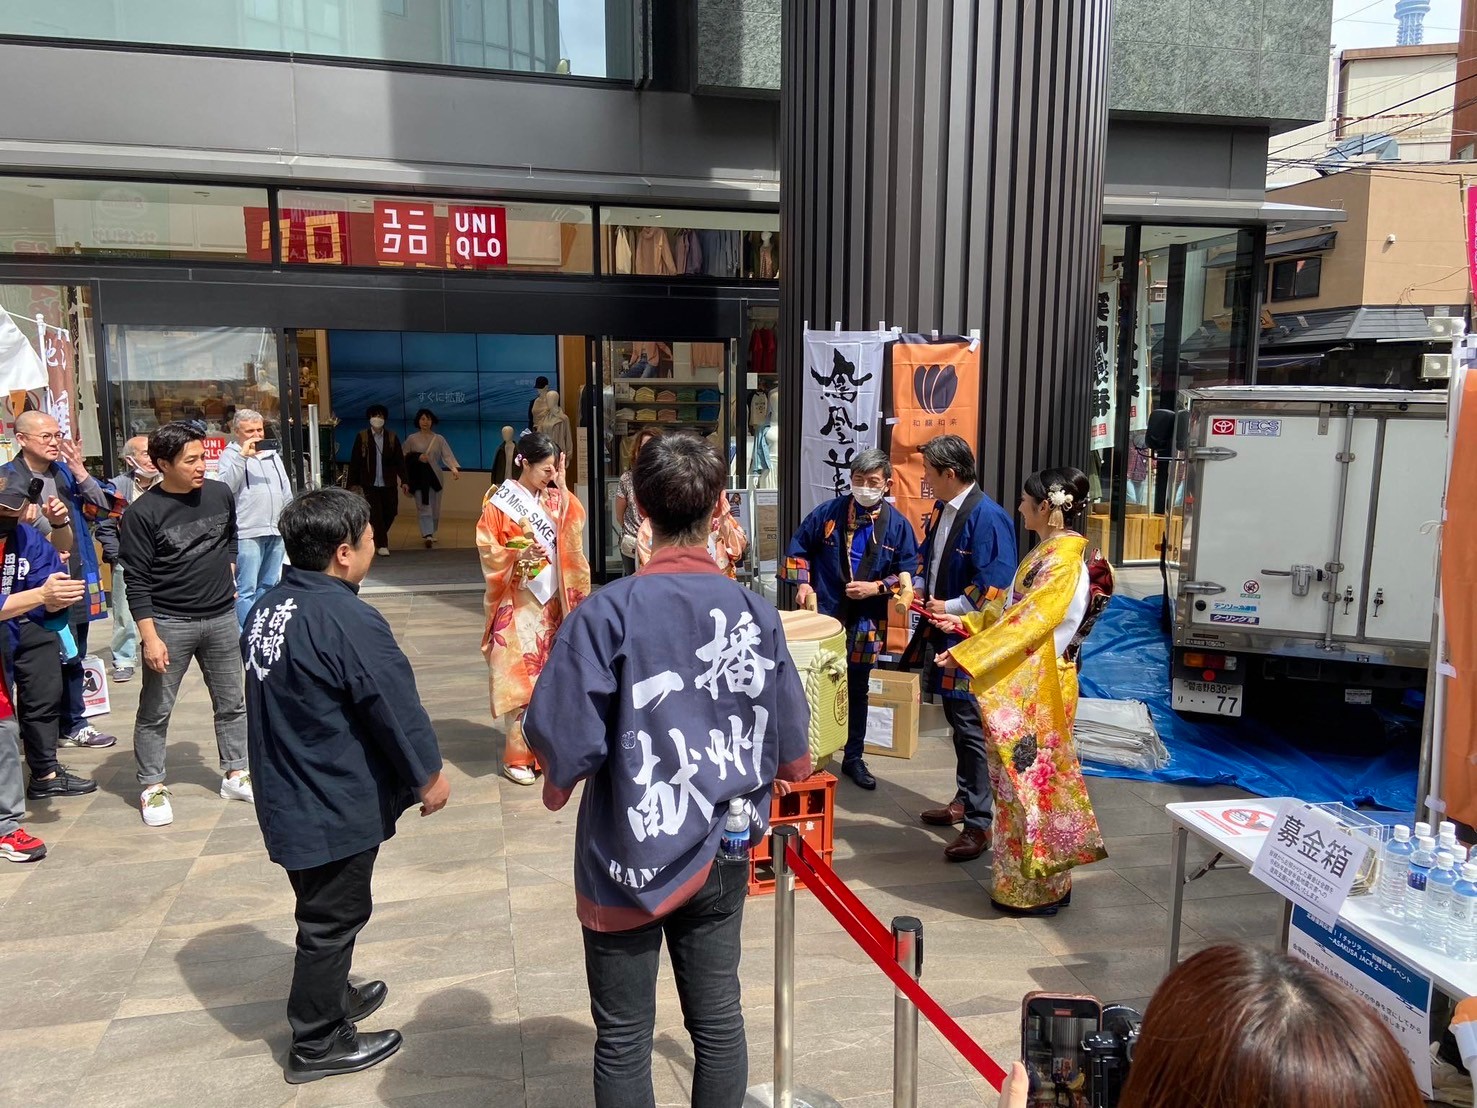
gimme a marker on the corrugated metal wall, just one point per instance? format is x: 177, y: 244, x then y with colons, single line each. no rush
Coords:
x: 941, y: 168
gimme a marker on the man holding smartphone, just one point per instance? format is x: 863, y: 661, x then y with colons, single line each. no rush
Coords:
x: 251, y: 467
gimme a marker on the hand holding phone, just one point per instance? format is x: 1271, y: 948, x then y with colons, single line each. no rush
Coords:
x: 1052, y: 1030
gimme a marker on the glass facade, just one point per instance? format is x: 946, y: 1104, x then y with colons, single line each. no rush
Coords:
x: 585, y: 38
x: 667, y: 242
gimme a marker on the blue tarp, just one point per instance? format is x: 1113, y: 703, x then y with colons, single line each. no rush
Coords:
x: 1307, y: 746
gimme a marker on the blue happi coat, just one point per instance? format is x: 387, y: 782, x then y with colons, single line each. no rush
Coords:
x: 668, y: 694
x: 818, y: 556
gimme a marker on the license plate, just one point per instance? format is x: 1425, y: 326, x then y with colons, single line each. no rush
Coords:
x: 1211, y: 697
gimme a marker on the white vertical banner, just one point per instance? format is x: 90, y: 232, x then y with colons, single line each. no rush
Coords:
x: 1138, y: 415
x: 1104, y: 399
x: 841, y: 409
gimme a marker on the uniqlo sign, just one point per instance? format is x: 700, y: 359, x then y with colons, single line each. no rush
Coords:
x: 405, y: 233
x: 478, y: 236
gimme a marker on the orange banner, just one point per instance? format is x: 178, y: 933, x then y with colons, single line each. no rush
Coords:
x: 934, y: 390
x: 1459, y: 604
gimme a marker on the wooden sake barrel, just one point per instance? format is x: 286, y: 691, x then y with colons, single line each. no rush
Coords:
x: 818, y: 645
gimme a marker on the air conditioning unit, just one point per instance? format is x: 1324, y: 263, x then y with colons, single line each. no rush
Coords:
x: 1447, y: 327
x: 1436, y: 367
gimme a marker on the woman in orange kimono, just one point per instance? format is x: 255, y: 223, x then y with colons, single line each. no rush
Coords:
x: 531, y: 539
x: 727, y: 543
x: 1019, y: 659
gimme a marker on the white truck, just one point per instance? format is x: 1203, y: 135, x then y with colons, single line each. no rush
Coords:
x: 1305, y: 525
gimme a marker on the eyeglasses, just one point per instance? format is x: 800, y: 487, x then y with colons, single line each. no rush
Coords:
x: 44, y: 436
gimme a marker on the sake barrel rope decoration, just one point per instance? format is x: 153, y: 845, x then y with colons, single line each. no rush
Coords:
x: 827, y: 665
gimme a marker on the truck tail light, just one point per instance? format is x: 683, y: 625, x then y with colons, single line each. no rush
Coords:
x: 1210, y: 661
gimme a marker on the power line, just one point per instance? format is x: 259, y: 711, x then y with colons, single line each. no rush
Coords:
x: 1357, y: 11
x: 1323, y: 163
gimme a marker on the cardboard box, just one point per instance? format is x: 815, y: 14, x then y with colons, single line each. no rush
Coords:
x: 892, y: 714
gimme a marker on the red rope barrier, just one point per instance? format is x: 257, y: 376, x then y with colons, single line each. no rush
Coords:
x: 876, y: 941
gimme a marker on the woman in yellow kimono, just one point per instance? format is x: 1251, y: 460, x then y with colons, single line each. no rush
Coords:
x: 1026, y: 683
x: 531, y: 539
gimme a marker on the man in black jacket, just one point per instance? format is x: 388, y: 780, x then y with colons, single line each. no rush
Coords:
x: 340, y: 746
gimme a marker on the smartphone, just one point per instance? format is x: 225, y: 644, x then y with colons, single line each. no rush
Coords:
x: 268, y: 444
x: 1052, y: 1029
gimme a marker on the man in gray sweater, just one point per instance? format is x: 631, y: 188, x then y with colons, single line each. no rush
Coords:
x: 251, y: 467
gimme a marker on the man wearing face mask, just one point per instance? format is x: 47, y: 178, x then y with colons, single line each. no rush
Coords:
x: 848, y: 557
x: 138, y: 476
x: 377, y: 472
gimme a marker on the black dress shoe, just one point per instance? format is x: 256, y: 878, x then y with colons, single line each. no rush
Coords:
x: 859, y: 773
x: 351, y: 1052
x: 63, y: 784
x: 365, y: 999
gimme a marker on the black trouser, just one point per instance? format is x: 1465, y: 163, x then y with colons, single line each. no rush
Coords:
x: 39, y: 692
x: 858, y: 678
x: 333, y: 905
x: 972, y: 770
x: 384, y: 505
x: 74, y: 702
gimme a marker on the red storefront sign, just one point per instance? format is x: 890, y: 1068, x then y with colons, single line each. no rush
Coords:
x: 405, y: 234
x: 1472, y: 236
x: 214, y: 446
x: 477, y: 236
x: 308, y: 237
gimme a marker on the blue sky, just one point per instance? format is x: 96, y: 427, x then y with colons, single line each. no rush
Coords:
x: 1359, y: 23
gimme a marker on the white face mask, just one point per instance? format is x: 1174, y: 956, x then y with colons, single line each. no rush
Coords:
x: 867, y: 498
x: 377, y: 423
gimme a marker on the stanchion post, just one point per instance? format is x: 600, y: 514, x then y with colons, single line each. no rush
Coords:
x: 907, y: 946
x: 784, y: 966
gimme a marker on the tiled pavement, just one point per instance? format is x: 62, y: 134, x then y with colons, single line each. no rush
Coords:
x: 149, y: 966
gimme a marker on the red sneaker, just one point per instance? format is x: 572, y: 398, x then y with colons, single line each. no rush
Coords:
x: 18, y: 846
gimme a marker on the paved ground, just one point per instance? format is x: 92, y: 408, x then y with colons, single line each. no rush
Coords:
x: 150, y: 966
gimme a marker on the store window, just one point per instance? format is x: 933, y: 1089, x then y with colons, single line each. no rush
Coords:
x: 125, y: 219
x: 585, y: 38
x: 161, y: 374
x: 62, y: 340
x: 414, y: 232
x: 1296, y: 278
x: 673, y: 242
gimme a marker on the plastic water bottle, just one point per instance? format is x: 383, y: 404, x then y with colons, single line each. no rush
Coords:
x: 1395, y: 872
x: 1415, y: 883
x: 734, y: 846
x: 1461, y: 942
x: 1448, y: 843
x: 1421, y: 828
x: 1436, y: 926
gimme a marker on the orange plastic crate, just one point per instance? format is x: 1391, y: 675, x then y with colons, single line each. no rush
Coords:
x: 811, y: 809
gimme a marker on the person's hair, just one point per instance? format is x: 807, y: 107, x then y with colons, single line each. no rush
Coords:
x: 377, y: 410
x: 244, y: 415
x: 541, y: 383
x: 167, y: 440
x: 1061, y: 481
x: 314, y: 524
x: 677, y: 479
x: 131, y: 448
x: 26, y: 422
x: 950, y: 452
x: 536, y: 447
x: 870, y: 461
x: 642, y: 437
x: 416, y: 422
x: 1237, y: 1025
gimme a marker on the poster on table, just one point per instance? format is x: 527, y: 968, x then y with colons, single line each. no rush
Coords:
x: 841, y: 409
x: 933, y: 388
x: 1104, y: 395
x: 1458, y: 597
x: 1400, y: 996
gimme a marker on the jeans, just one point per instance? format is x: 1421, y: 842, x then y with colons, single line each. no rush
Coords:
x: 39, y: 692
x: 125, y: 630
x: 857, y: 680
x: 428, y: 512
x: 333, y: 905
x: 12, y: 786
x: 704, y: 937
x: 972, y: 769
x: 216, y: 643
x: 258, y: 568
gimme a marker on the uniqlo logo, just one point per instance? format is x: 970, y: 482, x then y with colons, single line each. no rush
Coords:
x: 404, y: 233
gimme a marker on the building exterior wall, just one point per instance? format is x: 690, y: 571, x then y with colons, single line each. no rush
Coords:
x: 1464, y: 119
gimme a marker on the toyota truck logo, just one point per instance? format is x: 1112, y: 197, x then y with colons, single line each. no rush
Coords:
x: 1223, y: 427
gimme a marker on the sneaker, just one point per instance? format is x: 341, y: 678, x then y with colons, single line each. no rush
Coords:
x: 62, y: 784
x: 383, y: 551
x: 21, y: 847
x: 122, y: 673
x: 153, y: 802
x: 89, y: 736
x: 237, y: 788
x: 429, y: 541
x: 522, y: 775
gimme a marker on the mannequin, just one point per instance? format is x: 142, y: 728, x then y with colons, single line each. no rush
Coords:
x: 768, y: 268
x: 553, y: 422
x: 503, y: 468
x: 765, y: 467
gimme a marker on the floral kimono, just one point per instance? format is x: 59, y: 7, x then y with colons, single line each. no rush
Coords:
x: 520, y: 624
x: 1027, y: 689
x: 727, y: 544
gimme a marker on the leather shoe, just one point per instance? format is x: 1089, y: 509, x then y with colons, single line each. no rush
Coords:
x: 859, y: 773
x: 365, y: 999
x: 971, y: 843
x: 350, y: 1052
x: 947, y: 816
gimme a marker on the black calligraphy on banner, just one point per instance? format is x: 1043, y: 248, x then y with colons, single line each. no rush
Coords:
x: 844, y: 424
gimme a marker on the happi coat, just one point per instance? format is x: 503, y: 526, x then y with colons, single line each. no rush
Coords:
x: 520, y: 628
x: 1027, y: 691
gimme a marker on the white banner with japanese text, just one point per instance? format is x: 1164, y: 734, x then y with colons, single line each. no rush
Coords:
x: 1104, y: 398
x: 841, y: 409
